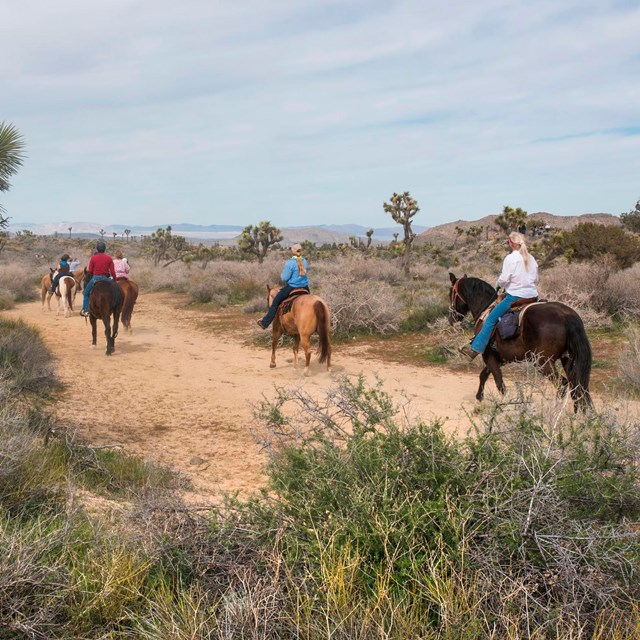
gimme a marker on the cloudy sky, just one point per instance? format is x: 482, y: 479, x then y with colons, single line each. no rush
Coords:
x: 315, y: 112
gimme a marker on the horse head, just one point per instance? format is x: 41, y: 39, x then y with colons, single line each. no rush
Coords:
x: 458, y: 307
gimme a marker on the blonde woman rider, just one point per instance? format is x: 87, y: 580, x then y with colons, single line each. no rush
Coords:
x: 294, y: 276
x: 519, y: 278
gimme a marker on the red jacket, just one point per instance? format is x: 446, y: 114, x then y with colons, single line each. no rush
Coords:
x: 101, y: 264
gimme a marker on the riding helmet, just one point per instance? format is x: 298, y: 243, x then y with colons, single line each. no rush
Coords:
x: 101, y: 247
x: 65, y: 257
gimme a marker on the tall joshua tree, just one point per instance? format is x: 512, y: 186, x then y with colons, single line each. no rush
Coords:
x: 402, y: 208
x: 256, y: 240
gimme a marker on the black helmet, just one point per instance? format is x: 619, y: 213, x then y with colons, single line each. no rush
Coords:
x: 65, y: 257
x: 101, y: 247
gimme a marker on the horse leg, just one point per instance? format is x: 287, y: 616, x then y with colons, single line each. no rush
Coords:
x: 296, y: 346
x: 306, y: 345
x: 106, y: 319
x: 492, y: 364
x: 94, y: 331
x: 275, y: 336
x: 484, y: 375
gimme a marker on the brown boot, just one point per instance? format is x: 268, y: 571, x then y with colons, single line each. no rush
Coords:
x: 468, y: 351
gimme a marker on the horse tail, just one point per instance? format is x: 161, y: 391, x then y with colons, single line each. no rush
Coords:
x: 322, y: 318
x: 129, y: 302
x: 68, y: 293
x: 579, y: 368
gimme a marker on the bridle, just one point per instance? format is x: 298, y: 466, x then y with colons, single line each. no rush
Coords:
x: 456, y: 295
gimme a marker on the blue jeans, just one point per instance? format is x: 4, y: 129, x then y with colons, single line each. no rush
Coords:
x: 87, y: 290
x: 280, y: 297
x: 481, y: 340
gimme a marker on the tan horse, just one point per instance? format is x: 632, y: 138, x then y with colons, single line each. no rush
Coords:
x: 130, y: 294
x: 307, y: 314
x: 45, y: 288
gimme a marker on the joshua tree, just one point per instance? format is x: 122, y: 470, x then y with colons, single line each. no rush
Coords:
x: 402, y: 209
x: 369, y: 237
x: 510, y: 219
x: 256, y: 240
x: 126, y: 233
x: 69, y: 230
x: 102, y: 232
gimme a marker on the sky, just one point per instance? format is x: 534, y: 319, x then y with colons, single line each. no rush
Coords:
x: 152, y: 112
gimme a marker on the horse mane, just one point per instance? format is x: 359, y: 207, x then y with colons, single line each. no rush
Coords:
x: 480, y: 288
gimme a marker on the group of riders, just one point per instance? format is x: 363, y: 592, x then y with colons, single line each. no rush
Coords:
x: 101, y: 267
x: 518, y: 278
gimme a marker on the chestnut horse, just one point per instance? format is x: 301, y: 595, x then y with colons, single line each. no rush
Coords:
x: 548, y: 332
x: 304, y: 315
x: 130, y: 294
x: 105, y: 300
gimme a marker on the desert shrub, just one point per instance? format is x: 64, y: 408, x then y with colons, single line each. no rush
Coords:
x: 424, y: 306
x: 361, y: 306
x: 523, y: 525
x: 18, y: 282
x: 589, y: 241
x: 629, y: 363
x: 577, y: 285
x: 26, y: 365
x: 356, y: 267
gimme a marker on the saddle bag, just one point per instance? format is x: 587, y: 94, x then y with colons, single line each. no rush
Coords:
x: 508, y: 325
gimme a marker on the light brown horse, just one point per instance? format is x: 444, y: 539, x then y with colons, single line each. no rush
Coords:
x: 305, y: 314
x: 46, y: 282
x: 130, y: 294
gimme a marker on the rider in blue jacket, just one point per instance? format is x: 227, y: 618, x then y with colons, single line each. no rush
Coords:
x: 294, y: 275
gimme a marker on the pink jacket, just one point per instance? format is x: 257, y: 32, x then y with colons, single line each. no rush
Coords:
x: 122, y: 268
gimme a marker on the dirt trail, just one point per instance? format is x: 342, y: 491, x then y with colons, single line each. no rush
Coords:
x: 176, y: 394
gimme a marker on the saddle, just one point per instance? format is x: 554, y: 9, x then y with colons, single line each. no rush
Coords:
x: 508, y: 326
x: 285, y: 305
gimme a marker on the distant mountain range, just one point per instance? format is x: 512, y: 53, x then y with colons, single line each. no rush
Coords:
x: 210, y: 233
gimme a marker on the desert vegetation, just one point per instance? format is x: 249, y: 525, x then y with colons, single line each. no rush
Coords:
x: 371, y: 525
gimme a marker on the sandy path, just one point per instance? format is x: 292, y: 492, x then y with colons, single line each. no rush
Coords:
x: 178, y: 395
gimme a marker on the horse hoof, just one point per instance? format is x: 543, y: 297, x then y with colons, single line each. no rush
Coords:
x: 272, y: 365
x: 93, y: 346
x: 307, y: 373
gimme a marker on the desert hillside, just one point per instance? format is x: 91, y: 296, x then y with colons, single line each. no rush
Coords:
x: 447, y: 232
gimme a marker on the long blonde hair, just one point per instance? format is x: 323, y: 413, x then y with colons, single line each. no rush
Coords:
x: 519, y: 239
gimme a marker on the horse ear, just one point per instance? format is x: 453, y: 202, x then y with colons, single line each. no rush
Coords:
x: 452, y: 278
x: 465, y: 275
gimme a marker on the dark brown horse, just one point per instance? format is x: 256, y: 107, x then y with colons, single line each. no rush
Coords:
x: 304, y: 315
x: 105, y: 301
x: 130, y: 294
x: 548, y: 332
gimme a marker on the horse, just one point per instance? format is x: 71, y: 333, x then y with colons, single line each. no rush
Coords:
x: 45, y: 288
x: 105, y: 300
x: 130, y: 294
x: 299, y: 318
x: 78, y: 276
x: 66, y: 293
x: 549, y: 331
x: 46, y: 295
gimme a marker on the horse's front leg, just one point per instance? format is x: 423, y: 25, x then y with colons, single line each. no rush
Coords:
x: 493, y: 366
x: 484, y: 375
x: 276, y: 332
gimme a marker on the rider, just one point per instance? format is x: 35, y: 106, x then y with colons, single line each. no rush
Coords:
x: 294, y: 275
x: 519, y: 278
x: 63, y: 270
x: 121, y: 266
x: 100, y: 267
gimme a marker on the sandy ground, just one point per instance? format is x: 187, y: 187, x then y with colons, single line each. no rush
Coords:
x: 177, y: 394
